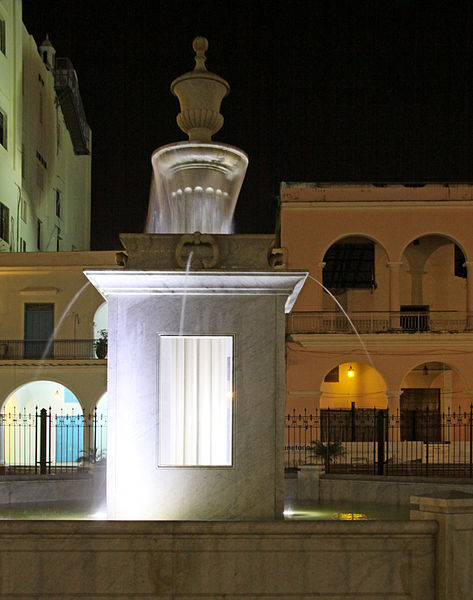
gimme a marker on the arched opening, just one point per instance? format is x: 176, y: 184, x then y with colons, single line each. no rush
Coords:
x: 432, y: 403
x: 352, y: 393
x: 355, y: 273
x: 101, y: 330
x: 353, y: 384
x: 433, y: 285
x: 44, y: 429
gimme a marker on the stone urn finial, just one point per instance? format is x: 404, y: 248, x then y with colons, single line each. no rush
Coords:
x: 200, y: 94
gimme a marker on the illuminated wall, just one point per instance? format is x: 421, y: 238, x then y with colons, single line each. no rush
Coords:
x: 153, y: 467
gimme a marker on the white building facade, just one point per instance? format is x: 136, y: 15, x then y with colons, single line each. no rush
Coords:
x: 45, y: 145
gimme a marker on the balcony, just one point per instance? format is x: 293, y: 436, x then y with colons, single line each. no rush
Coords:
x: 451, y: 321
x: 67, y: 90
x: 45, y: 350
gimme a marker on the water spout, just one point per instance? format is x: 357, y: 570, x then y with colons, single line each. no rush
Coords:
x: 363, y: 345
x: 184, y: 295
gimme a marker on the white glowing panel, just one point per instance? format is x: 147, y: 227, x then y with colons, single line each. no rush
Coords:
x: 195, y: 401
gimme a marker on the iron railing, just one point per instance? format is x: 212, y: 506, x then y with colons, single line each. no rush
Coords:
x: 43, y: 442
x: 411, y: 442
x: 47, y: 349
x: 380, y: 322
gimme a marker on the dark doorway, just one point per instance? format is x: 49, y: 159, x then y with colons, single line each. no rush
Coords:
x: 39, y: 329
x: 420, y: 414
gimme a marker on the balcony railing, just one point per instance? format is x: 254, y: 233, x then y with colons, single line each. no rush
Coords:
x: 380, y: 322
x: 67, y: 89
x: 47, y: 350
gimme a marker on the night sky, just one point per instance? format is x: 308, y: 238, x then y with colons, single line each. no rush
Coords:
x: 320, y: 91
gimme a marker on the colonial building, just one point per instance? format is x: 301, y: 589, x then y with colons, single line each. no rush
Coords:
x: 385, y: 320
x: 45, y: 145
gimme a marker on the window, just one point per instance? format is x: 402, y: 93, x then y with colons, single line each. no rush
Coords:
x: 24, y: 210
x: 58, y: 136
x: 3, y: 128
x: 38, y: 234
x: 349, y: 266
x: 420, y: 414
x: 4, y: 223
x: 460, y: 269
x: 58, y: 203
x: 3, y: 40
x: 195, y: 401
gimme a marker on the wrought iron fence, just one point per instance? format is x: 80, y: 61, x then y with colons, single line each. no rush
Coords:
x: 411, y: 442
x: 380, y: 322
x: 47, y: 349
x: 42, y: 442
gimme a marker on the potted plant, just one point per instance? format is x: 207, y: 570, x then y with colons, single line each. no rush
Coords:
x: 101, y: 344
x: 92, y: 459
x: 328, y: 451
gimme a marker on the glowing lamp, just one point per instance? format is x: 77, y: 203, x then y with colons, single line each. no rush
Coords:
x: 351, y: 372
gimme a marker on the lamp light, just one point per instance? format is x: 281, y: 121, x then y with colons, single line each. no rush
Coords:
x: 56, y: 395
x: 351, y: 372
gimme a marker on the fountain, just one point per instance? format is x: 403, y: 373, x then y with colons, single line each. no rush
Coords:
x: 196, y: 357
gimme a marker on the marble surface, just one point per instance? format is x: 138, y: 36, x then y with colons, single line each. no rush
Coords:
x: 253, y: 487
x: 46, y: 489
x: 247, y: 301
x: 235, y: 252
x: 453, y: 512
x: 387, y: 490
x: 244, y: 560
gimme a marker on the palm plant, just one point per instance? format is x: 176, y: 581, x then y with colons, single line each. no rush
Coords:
x: 328, y: 451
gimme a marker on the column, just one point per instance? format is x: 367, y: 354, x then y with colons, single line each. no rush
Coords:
x: 469, y: 295
x: 394, y: 294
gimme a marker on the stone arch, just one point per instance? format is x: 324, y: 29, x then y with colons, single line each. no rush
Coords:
x: 366, y: 388
x: 42, y: 407
x: 57, y: 381
x: 100, y: 319
x: 439, y: 375
x: 354, y: 270
x: 438, y: 234
x: 43, y: 393
x: 432, y: 275
x: 359, y: 235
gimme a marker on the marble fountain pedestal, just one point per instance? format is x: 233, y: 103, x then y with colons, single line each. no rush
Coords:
x: 231, y: 288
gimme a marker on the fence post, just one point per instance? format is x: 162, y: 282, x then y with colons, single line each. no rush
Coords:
x: 36, y: 440
x: 95, y: 433
x: 42, y: 441
x: 380, y: 438
x: 353, y: 422
x: 471, y: 440
x: 327, y: 462
x: 427, y: 440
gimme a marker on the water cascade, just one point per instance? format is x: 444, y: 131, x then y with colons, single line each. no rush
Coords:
x: 196, y: 183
